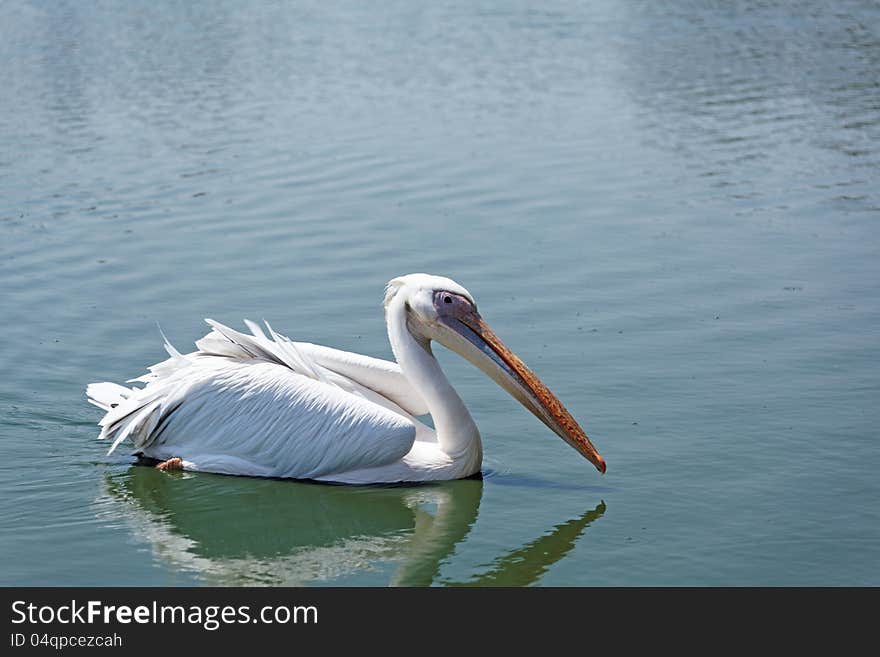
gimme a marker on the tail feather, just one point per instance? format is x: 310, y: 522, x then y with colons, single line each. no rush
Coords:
x: 108, y: 395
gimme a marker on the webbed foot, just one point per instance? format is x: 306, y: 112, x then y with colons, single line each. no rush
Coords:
x: 175, y: 463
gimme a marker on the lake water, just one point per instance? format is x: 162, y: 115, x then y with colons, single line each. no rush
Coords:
x: 670, y: 211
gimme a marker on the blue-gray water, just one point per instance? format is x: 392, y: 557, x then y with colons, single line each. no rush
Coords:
x: 669, y: 210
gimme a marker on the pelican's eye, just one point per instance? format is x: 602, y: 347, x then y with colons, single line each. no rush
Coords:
x: 449, y: 303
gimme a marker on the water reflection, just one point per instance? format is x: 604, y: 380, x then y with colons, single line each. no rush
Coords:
x: 528, y: 564
x: 240, y: 531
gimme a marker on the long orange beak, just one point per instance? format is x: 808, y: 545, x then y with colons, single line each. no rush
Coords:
x: 486, y: 350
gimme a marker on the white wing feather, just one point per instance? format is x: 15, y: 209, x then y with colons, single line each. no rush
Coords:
x: 382, y: 376
x: 245, y: 404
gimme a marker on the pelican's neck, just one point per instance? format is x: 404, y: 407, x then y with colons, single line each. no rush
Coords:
x: 457, y: 433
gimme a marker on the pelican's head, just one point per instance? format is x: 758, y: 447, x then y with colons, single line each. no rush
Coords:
x: 440, y: 309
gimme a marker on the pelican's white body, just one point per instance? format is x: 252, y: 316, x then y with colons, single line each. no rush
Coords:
x: 265, y: 406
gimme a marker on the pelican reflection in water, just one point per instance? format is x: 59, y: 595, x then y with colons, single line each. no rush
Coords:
x: 241, y: 531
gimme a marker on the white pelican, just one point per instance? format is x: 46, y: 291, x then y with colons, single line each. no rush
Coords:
x: 269, y: 407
